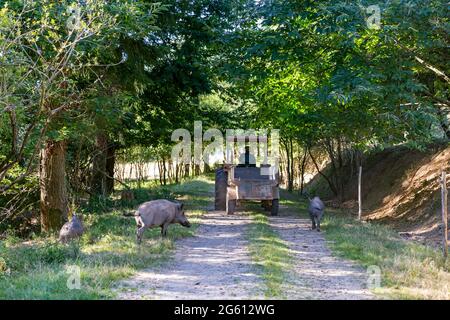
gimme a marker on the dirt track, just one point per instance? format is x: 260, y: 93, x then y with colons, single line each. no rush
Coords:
x: 212, y: 265
x: 317, y: 274
x: 215, y: 264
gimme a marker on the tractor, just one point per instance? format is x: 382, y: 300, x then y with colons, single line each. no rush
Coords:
x: 246, y: 181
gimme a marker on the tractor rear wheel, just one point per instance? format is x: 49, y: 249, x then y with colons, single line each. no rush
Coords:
x: 275, y: 205
x: 231, y: 206
x: 220, y: 200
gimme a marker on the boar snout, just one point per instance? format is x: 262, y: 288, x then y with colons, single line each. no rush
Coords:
x: 181, y: 218
x: 185, y: 223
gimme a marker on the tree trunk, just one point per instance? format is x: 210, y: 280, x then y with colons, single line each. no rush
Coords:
x: 334, y: 150
x: 302, y: 170
x: 288, y: 168
x: 197, y: 170
x: 176, y: 173
x: 110, y: 164
x: 164, y: 171
x: 291, y: 162
x: 340, y: 173
x: 54, y: 201
x: 281, y: 172
x: 98, y: 180
x: 170, y: 170
x: 160, y: 171
x: 140, y: 172
x: 330, y: 183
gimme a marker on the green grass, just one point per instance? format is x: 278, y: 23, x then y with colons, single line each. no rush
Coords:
x: 409, y: 270
x: 107, y: 252
x: 37, y: 269
x: 270, y: 253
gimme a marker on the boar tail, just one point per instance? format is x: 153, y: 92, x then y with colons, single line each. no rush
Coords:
x: 138, y: 219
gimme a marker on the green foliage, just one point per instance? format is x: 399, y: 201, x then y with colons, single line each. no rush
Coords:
x: 318, y: 72
x: 106, y: 253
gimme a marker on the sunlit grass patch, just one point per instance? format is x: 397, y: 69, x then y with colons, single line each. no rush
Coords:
x: 270, y: 253
x: 409, y: 270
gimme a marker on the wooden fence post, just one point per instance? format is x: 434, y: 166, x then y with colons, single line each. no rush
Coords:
x: 359, y: 193
x: 444, y: 194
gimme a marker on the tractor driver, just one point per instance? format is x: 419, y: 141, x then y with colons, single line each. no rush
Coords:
x: 247, y: 159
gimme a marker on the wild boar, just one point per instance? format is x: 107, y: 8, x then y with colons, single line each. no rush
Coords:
x: 159, y: 213
x: 71, y: 230
x: 316, y: 210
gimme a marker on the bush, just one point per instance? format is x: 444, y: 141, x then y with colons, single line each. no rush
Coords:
x: 58, y: 253
x: 19, y: 205
x: 99, y: 204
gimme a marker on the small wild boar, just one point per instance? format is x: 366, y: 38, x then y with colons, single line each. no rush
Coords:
x: 159, y: 213
x: 71, y: 230
x: 316, y: 210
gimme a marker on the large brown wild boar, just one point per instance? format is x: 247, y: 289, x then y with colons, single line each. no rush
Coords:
x: 159, y: 213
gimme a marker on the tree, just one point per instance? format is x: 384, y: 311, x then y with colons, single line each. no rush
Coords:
x: 55, y: 48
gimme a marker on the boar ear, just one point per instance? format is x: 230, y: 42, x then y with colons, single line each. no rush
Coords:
x: 180, y: 205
